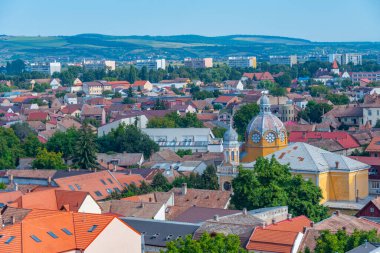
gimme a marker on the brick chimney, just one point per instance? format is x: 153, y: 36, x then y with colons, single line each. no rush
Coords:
x: 184, y: 189
x: 216, y: 217
x: 245, y: 211
x: 289, y: 216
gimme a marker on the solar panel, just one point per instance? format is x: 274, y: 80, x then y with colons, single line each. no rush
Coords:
x: 35, y: 238
x: 66, y: 231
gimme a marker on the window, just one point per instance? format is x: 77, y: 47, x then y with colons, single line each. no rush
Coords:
x: 109, y: 180
x: 369, y: 112
x: 78, y: 186
x: 372, y: 210
x: 10, y: 239
x: 98, y: 193
x: 92, y: 228
x: 125, y: 184
x: 71, y: 187
x: 375, y: 184
x: 117, y: 190
x: 66, y: 231
x: 35, y: 238
x: 52, y: 235
x: 103, y: 182
x: 109, y: 190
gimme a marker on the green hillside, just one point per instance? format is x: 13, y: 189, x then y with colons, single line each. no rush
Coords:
x: 171, y: 47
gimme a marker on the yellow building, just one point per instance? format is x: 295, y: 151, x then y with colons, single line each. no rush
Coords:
x: 265, y: 134
x: 339, y: 177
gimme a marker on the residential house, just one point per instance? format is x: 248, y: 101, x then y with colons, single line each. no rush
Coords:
x: 73, y: 110
x: 233, y: 85
x: 282, y: 237
x: 346, y: 115
x: 225, y: 101
x: 55, y: 83
x: 138, y: 119
x: 371, y: 210
x: 374, y: 147
x: 59, y: 200
x: 125, y: 160
x: 93, y: 112
x: 374, y: 172
x: 196, y: 214
x: 259, y: 76
x: 96, y: 87
x: 53, y: 231
x: 192, y: 167
x: 38, y: 116
x: 77, y: 86
x: 337, y: 221
x: 142, y: 85
x: 100, y: 184
x: 71, y: 99
x: 125, y: 208
x: 157, y: 233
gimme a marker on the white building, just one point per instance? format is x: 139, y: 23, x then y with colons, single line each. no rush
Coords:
x: 355, y: 59
x: 94, y: 65
x: 55, y: 67
x: 151, y: 64
x: 142, y: 121
x: 195, y: 139
x: 283, y: 60
x: 242, y: 62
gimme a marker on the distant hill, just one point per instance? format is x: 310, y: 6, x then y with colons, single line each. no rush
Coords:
x: 171, y: 47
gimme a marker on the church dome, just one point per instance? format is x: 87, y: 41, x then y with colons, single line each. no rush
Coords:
x: 266, y: 121
x: 230, y: 135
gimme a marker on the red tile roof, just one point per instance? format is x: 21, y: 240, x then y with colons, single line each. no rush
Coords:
x: 374, y: 145
x: 279, y: 237
x: 38, y: 116
x: 224, y: 99
x: 344, y: 139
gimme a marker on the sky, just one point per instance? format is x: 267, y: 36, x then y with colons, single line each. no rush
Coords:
x: 316, y: 20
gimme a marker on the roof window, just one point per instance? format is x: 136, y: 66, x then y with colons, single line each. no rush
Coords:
x: 10, y: 239
x: 52, y: 235
x: 35, y: 238
x: 66, y: 231
x: 92, y: 228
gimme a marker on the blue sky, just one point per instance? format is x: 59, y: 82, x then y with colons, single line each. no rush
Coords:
x: 317, y: 20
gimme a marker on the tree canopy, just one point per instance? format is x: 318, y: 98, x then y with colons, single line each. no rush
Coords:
x: 85, y: 149
x: 174, y: 120
x: 243, y: 116
x: 46, y: 160
x: 314, y: 111
x: 271, y: 184
x: 206, y: 243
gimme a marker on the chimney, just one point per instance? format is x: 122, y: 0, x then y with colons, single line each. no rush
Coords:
x: 216, y: 217
x: 264, y: 224
x: 1, y: 221
x: 184, y: 189
x: 289, y: 216
x: 273, y: 221
x: 304, y: 230
x: 336, y: 164
x: 10, y: 178
x: 49, y: 181
x: 245, y: 211
x: 114, y: 167
x: 69, y: 169
x: 337, y: 212
x: 16, y: 186
x: 141, y: 205
x: 13, y: 220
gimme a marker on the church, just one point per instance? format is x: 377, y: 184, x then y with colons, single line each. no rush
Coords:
x: 340, y: 178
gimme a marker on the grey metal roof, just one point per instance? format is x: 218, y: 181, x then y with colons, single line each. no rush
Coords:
x: 158, y: 233
x: 366, y: 247
x: 304, y: 157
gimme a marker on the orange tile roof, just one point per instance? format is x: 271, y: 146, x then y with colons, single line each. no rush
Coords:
x: 39, y: 223
x: 374, y: 145
x: 279, y: 237
x: 98, y: 184
x: 8, y: 197
x: 128, y: 179
x: 52, y: 199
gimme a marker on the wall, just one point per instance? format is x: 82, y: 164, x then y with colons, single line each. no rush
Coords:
x: 117, y: 237
x: 89, y: 205
x: 160, y: 215
x: 366, y: 211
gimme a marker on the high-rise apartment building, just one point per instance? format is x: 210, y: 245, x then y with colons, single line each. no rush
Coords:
x: 151, y: 64
x: 242, y: 62
x: 198, y: 63
x: 283, y: 60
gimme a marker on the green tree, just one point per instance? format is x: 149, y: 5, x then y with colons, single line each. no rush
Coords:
x: 219, y: 131
x: 46, y: 160
x: 318, y: 90
x: 130, y: 92
x: 10, y: 148
x: 144, y: 75
x: 85, y: 149
x: 314, y: 111
x: 127, y: 138
x: 243, y: 116
x: 338, y: 99
x: 217, y: 107
x: 341, y: 242
x: 160, y: 183
x: 271, y: 184
x: 210, y: 179
x: 30, y: 145
x: 216, y: 244
x: 132, y: 74
x: 284, y: 80
x: 22, y: 130
x: 183, y: 152
x: 64, y: 142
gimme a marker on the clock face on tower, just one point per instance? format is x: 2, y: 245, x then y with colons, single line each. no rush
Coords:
x: 256, y: 138
x: 270, y: 137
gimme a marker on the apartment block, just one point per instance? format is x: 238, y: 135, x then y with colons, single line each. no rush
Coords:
x: 242, y: 62
x: 198, y: 63
x: 151, y: 64
x: 283, y: 60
